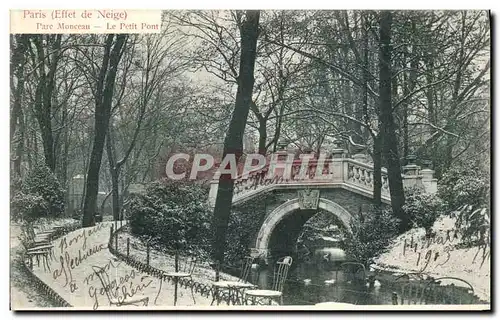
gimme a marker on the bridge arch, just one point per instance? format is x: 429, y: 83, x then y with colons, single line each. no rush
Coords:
x: 288, y: 208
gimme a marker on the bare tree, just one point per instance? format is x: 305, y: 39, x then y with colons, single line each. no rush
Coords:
x: 233, y: 143
x: 390, y: 145
x: 103, y: 94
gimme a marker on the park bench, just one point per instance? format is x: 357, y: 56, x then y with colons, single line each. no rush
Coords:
x: 38, y: 252
x: 36, y: 247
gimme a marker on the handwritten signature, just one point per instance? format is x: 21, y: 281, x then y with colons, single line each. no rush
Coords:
x: 436, y: 250
x: 119, y: 292
x: 68, y: 263
x: 106, y: 267
x: 64, y: 244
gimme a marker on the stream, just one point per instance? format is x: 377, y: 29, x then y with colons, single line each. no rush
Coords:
x: 306, y: 285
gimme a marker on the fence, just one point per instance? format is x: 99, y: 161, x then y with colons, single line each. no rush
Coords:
x: 204, y: 289
x: 122, y: 247
x: 125, y: 249
x: 46, y: 290
x: 143, y: 257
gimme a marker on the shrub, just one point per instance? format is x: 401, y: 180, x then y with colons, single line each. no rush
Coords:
x: 38, y: 195
x: 465, y: 185
x: 423, y: 208
x: 371, y: 234
x: 28, y: 207
x: 466, y: 189
x: 241, y: 229
x: 475, y: 226
x: 244, y: 223
x: 41, y: 181
x: 172, y: 214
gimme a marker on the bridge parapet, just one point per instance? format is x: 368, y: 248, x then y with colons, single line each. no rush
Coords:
x: 336, y: 172
x: 361, y: 175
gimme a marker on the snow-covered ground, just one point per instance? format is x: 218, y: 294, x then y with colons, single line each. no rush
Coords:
x: 74, y: 278
x: 22, y: 291
x: 203, y: 273
x: 411, y: 252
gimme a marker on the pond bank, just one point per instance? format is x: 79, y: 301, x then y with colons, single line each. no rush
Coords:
x: 412, y: 253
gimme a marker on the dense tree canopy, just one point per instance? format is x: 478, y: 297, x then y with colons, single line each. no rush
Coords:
x: 112, y: 108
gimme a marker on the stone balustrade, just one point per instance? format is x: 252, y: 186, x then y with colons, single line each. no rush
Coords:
x: 337, y: 171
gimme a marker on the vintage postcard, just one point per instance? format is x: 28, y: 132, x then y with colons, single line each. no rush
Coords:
x: 255, y: 159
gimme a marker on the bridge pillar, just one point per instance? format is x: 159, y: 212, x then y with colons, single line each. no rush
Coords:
x: 364, y: 158
x: 282, y: 144
x: 414, y: 176
x: 411, y: 176
x: 428, y: 180
x: 336, y: 167
x: 360, y: 155
x: 339, y: 153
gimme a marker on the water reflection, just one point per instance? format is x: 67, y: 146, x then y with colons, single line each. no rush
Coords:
x: 308, y: 284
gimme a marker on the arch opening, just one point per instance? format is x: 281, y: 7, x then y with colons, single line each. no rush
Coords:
x: 281, y: 229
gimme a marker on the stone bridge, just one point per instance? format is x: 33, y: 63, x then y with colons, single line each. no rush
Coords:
x: 280, y: 206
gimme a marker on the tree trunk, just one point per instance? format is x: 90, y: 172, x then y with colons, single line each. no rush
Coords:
x: 29, y: 155
x: 44, y: 91
x: 103, y: 203
x: 115, y: 192
x: 17, y: 69
x: 378, y: 137
x: 277, y: 130
x: 390, y: 145
x: 85, y: 166
x: 377, y: 170
x: 104, y: 97
x: 114, y: 171
x: 64, y: 163
x: 410, y: 86
x: 17, y: 90
x: 20, y: 144
x: 262, y: 136
x: 233, y: 143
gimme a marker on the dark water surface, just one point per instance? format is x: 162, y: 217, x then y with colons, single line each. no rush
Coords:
x: 299, y: 292
x: 349, y: 287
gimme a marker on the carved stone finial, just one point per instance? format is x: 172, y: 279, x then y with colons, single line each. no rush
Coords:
x: 426, y: 164
x: 308, y: 150
x: 339, y: 144
x: 282, y: 144
x: 411, y: 159
x: 357, y: 149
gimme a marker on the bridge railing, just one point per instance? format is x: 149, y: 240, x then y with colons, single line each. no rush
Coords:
x: 316, y: 171
x: 361, y: 175
x: 340, y: 172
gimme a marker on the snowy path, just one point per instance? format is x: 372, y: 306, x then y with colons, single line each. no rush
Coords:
x: 72, y: 275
